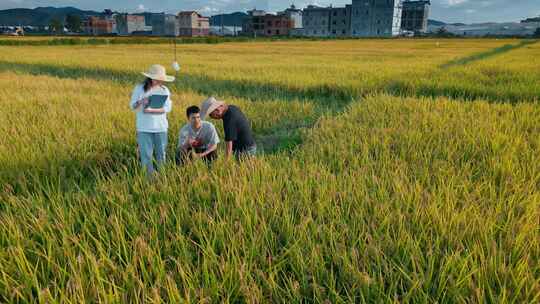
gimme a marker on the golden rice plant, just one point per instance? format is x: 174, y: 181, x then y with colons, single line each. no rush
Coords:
x: 367, y: 190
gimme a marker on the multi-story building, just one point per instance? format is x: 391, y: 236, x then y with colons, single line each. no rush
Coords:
x: 362, y: 18
x: 94, y: 25
x: 165, y: 25
x: 376, y: 18
x: 340, y: 21
x: 316, y: 21
x: 254, y: 24
x: 295, y: 15
x: 192, y: 24
x: 414, y: 16
x: 127, y: 24
x: 277, y: 25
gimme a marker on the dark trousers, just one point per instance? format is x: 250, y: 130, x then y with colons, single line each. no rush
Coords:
x: 245, y: 153
x: 183, y: 156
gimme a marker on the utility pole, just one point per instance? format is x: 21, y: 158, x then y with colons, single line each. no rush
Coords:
x: 221, y: 17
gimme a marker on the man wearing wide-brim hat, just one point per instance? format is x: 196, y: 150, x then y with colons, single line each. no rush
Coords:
x: 238, y: 135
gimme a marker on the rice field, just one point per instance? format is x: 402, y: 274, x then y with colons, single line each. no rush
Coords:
x: 393, y: 171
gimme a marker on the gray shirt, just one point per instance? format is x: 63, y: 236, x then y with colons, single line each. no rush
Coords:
x: 206, y: 135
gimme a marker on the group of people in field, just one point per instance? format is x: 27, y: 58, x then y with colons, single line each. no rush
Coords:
x: 198, y: 138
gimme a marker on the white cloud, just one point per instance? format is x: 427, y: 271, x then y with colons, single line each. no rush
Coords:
x: 141, y: 7
x: 208, y: 10
x: 455, y: 2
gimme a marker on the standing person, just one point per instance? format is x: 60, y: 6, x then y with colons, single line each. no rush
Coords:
x: 197, y: 138
x: 152, y: 124
x: 238, y: 136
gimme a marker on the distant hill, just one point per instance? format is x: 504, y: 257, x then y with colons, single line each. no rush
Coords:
x: 40, y: 16
x: 435, y: 23
x: 440, y: 23
x: 234, y: 19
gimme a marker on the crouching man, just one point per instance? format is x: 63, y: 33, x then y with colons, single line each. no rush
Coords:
x: 197, y: 139
x: 238, y: 136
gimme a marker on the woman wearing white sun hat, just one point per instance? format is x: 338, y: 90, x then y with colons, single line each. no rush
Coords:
x: 152, y: 124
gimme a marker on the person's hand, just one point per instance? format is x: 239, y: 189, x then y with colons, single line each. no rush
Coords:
x: 192, y: 142
x: 148, y: 110
x: 142, y: 102
x: 197, y: 143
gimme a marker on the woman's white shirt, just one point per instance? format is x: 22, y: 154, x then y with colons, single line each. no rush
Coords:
x: 147, y: 122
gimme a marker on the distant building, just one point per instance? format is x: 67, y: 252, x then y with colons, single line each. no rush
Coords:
x: 224, y: 30
x: 362, y: 18
x: 414, y: 16
x: 95, y: 26
x: 376, y: 18
x: 127, y: 24
x: 192, y: 24
x: 165, y: 25
x: 254, y: 24
x: 12, y: 30
x: 316, y: 21
x: 295, y: 15
x: 340, y: 21
x: 296, y: 32
x: 110, y: 15
x: 513, y: 29
x: 277, y: 25
x: 256, y: 12
x: 260, y: 23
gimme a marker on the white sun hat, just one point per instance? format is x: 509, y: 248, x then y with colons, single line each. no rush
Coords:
x: 157, y: 72
x: 209, y: 105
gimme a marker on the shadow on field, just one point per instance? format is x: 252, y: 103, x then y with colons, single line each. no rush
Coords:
x: 327, y: 97
x: 67, y: 173
x: 485, y: 55
x: 433, y: 85
x: 324, y: 95
x: 487, y: 92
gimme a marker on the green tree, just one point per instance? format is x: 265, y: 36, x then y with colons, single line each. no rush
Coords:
x: 73, y: 23
x: 56, y: 26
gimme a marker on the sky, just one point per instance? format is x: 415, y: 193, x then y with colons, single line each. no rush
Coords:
x: 466, y: 11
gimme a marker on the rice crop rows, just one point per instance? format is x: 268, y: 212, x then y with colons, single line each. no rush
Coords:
x: 394, y: 171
